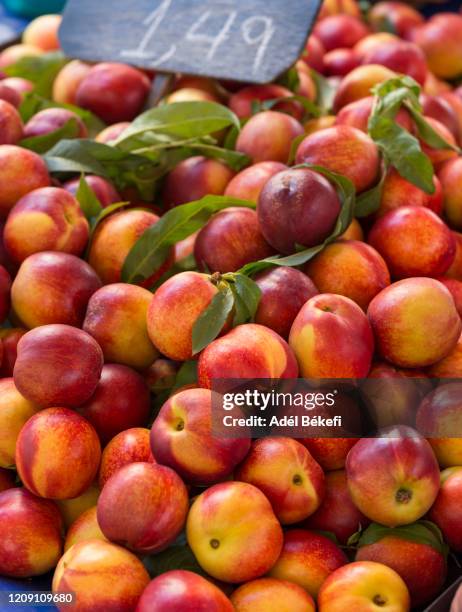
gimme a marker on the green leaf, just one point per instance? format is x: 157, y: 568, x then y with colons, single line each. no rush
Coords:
x: 210, y: 323
x: 346, y: 192
x: 232, y: 136
x: 96, y: 150
x: 294, y: 148
x: 32, y: 103
x: 365, y: 6
x: 96, y: 220
x: 41, y: 144
x: 126, y: 168
x: 421, y: 532
x: 93, y: 123
x: 40, y: 69
x: 429, y: 135
x: 404, y: 92
x: 177, y: 556
x: 168, y: 153
x: 56, y: 164
x: 290, y: 79
x: 386, y: 25
x: 108, y: 210
x: 122, y: 167
x: 297, y: 259
x: 74, y: 157
x: 354, y: 538
x: 249, y: 293
x: 234, y: 159
x: 186, y: 375
x: 368, y: 202
x: 402, y: 150
x: 325, y: 91
x: 402, y: 87
x: 151, y: 146
x: 151, y: 249
x: 311, y: 109
x: 438, y: 534
x: 180, y: 120
x: 241, y: 312
x: 86, y: 197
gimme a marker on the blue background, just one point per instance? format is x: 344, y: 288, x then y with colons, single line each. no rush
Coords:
x: 11, y: 25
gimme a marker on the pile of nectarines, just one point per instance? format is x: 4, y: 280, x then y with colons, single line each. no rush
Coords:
x: 112, y: 478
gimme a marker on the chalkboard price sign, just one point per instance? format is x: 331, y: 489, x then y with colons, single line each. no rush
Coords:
x: 242, y: 40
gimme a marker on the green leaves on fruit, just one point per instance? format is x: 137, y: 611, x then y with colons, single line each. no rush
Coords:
x: 105, y: 212
x: 429, y: 135
x: 247, y: 296
x: 310, y: 108
x: 177, y: 122
x: 210, y: 323
x: 421, y: 532
x: 325, y: 92
x: 73, y: 156
x: 398, y: 147
x: 91, y: 206
x: 184, y: 129
x: 186, y: 375
x: 368, y: 202
x: 402, y: 150
x: 41, y: 70
x: 230, y: 140
x: 346, y: 192
x: 393, y: 93
x: 153, y: 246
x: 234, y: 159
x: 296, y: 142
x: 239, y: 294
x: 290, y: 79
x: 44, y: 142
x: 365, y: 6
x: 86, y: 197
x: 33, y: 103
x: 386, y: 25
x: 404, y: 92
x: 177, y: 556
x: 153, y: 144
x: 121, y: 167
x: 236, y: 293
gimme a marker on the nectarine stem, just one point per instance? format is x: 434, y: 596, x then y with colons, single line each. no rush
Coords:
x: 379, y: 600
x: 403, y: 496
x: 215, y: 278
